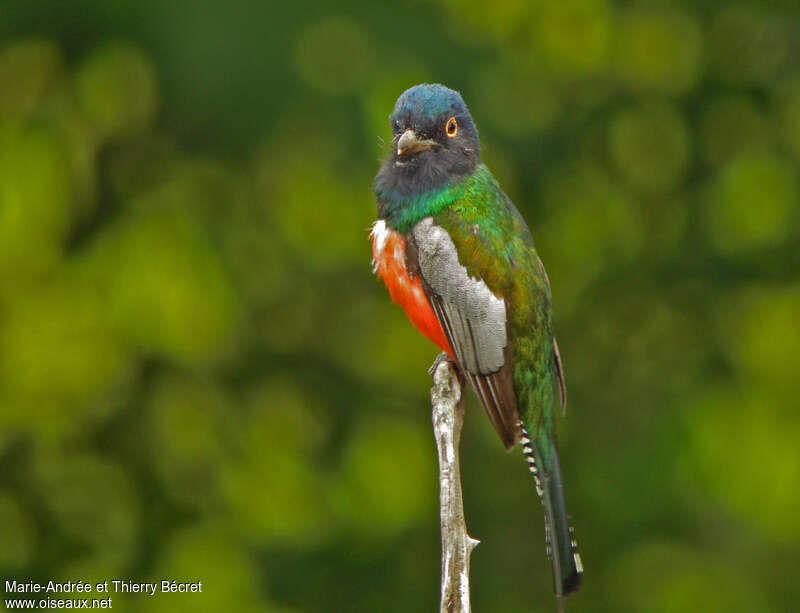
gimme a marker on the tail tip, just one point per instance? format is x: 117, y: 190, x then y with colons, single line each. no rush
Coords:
x: 571, y: 583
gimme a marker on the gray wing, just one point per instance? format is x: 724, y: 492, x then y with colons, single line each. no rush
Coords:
x: 474, y: 322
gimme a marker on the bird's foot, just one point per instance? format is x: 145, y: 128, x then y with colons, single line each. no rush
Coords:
x: 442, y: 357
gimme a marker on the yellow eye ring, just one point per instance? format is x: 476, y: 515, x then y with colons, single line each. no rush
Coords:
x: 451, y: 127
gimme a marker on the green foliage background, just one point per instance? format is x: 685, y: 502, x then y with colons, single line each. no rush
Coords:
x: 200, y: 379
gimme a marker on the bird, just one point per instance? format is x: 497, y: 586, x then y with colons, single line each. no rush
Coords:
x: 455, y: 253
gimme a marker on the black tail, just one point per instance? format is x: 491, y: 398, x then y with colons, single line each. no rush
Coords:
x: 542, y: 459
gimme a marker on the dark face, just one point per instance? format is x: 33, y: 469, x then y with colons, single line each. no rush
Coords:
x: 433, y: 141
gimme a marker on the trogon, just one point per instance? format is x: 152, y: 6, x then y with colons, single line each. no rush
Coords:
x: 457, y: 256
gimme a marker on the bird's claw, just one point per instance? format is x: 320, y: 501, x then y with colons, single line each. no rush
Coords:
x: 442, y: 357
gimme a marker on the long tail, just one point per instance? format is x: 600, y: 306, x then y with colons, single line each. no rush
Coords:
x: 542, y: 459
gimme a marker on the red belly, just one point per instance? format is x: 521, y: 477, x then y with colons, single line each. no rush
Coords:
x: 389, y: 261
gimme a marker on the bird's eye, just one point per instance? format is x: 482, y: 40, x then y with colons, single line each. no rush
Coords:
x: 451, y: 127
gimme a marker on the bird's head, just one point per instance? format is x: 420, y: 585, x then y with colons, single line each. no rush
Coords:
x: 434, y: 140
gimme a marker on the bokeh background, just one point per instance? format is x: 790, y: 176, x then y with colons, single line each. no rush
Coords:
x: 200, y: 378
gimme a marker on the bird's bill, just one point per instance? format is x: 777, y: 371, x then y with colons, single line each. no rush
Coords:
x: 409, y: 143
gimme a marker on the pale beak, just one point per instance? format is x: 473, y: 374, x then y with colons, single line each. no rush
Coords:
x: 409, y: 143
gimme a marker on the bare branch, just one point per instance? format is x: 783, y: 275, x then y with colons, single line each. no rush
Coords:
x: 448, y: 417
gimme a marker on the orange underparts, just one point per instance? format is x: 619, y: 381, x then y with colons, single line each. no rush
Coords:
x: 389, y: 260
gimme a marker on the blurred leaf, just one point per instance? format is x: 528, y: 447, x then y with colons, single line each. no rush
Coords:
x: 574, y: 35
x: 189, y: 424
x: 649, y: 145
x: 318, y: 205
x: 93, y: 503
x: 17, y: 535
x: 168, y: 291
x: 646, y: 337
x: 272, y: 487
x: 61, y: 113
x: 207, y: 553
x: 659, y: 50
x: 503, y: 166
x: 141, y: 165
x: 732, y: 126
x: 662, y: 577
x: 34, y: 203
x: 742, y: 452
x: 333, y: 55
x: 58, y: 356
x: 392, y: 349
x: 28, y: 67
x: 518, y: 100
x: 789, y: 113
x: 761, y: 331
x: 476, y: 22
x: 591, y: 224
x: 246, y: 234
x: 117, y: 90
x: 752, y: 202
x: 748, y: 43
x: 93, y: 569
x: 388, y: 478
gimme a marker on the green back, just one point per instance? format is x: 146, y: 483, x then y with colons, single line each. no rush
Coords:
x: 494, y: 244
